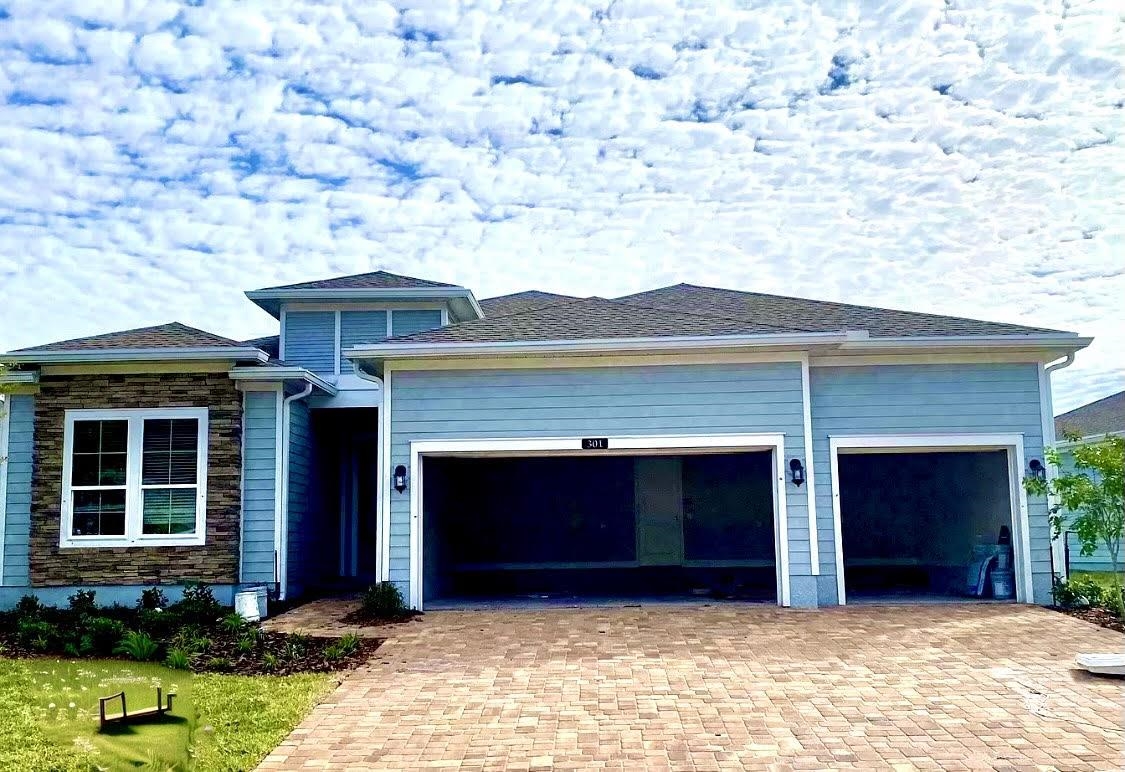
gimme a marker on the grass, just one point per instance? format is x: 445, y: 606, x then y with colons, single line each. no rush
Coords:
x: 49, y: 716
x: 1104, y: 578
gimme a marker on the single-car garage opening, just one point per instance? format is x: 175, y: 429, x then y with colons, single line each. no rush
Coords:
x: 599, y: 526
x: 922, y: 525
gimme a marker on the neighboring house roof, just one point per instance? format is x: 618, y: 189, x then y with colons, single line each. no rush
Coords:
x: 271, y: 344
x: 588, y: 319
x: 819, y: 315
x: 1104, y: 416
x: 171, y: 335
x: 518, y: 302
x: 372, y: 280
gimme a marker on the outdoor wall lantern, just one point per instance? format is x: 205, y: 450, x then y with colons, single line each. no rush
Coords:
x: 1038, y: 471
x: 797, y: 472
x: 400, y: 478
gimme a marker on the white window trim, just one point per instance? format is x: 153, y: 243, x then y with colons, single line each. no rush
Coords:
x: 133, y: 488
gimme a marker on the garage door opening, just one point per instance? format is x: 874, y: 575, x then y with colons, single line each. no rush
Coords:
x: 925, y: 526
x: 599, y: 527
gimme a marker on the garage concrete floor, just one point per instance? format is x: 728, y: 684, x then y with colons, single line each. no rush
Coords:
x: 734, y: 686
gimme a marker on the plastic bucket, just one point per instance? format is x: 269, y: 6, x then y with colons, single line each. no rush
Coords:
x: 1003, y: 560
x: 250, y: 604
x: 1003, y: 585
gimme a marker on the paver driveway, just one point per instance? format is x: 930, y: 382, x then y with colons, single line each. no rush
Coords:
x: 726, y: 686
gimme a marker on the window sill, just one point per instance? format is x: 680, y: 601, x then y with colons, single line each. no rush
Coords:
x: 157, y: 541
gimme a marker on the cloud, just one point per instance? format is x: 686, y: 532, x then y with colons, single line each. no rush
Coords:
x: 964, y: 158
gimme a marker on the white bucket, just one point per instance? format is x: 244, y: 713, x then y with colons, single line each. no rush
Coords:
x: 250, y: 604
x: 1003, y: 585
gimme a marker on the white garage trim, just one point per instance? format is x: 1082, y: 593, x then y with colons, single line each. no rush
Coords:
x: 905, y: 443
x: 618, y: 446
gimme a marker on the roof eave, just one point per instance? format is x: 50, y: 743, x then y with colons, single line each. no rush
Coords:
x: 272, y: 374
x: 1066, y: 342
x: 270, y: 300
x: 187, y: 354
x: 599, y: 345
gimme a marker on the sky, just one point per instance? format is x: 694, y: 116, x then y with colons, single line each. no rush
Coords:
x: 952, y: 156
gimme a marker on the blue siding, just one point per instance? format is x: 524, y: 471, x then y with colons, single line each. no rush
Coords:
x: 910, y: 399
x: 17, y: 526
x: 357, y: 328
x: 763, y: 398
x: 1099, y: 561
x: 406, y: 322
x: 259, y: 486
x: 301, y: 559
x: 310, y: 340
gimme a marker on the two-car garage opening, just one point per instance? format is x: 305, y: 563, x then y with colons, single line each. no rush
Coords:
x: 599, y: 526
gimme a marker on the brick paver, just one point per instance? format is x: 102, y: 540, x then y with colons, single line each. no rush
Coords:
x: 720, y: 687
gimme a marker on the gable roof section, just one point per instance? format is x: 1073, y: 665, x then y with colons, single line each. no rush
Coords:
x: 588, y: 319
x: 171, y: 335
x: 1104, y: 416
x: 372, y: 280
x: 819, y: 315
x: 517, y: 302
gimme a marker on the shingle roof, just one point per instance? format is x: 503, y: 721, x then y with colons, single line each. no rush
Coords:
x: 271, y: 344
x: 1101, y: 417
x: 819, y: 315
x: 518, y: 302
x: 373, y: 280
x: 171, y: 335
x: 585, y: 319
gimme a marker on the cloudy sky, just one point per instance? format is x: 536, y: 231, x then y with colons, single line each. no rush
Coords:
x: 958, y: 156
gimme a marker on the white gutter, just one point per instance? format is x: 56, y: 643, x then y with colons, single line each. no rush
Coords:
x: 269, y: 374
x: 601, y: 345
x: 1050, y: 440
x: 81, y: 356
x: 281, y: 527
x: 1067, y: 362
x: 970, y: 341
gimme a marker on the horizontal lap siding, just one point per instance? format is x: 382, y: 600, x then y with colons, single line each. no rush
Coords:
x: 259, y: 486
x: 1100, y: 559
x: 405, y: 322
x: 938, y: 399
x: 17, y: 509
x: 727, y: 399
x: 301, y: 554
x: 359, y: 328
x: 310, y: 340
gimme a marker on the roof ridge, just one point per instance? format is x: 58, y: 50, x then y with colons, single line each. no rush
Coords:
x: 839, y: 304
x: 365, y: 274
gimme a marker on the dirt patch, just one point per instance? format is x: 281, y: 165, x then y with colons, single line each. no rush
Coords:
x: 1095, y: 616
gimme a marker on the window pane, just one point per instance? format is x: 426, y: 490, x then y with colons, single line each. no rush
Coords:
x: 170, y: 451
x: 87, y: 436
x: 115, y: 436
x: 98, y: 513
x: 99, y: 452
x: 169, y: 511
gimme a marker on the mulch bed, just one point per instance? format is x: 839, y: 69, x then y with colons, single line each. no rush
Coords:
x: 293, y: 653
x: 1095, y: 616
x: 360, y: 619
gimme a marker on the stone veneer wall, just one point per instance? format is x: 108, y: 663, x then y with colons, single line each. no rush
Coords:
x: 217, y: 560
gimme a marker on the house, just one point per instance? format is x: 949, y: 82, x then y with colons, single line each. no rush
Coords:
x: 683, y: 440
x: 1091, y: 422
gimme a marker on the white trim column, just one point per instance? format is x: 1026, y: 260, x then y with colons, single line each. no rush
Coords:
x: 810, y: 476
x: 1047, y: 413
x: 5, y: 423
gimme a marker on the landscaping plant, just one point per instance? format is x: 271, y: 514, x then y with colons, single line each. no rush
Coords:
x: 1090, y: 501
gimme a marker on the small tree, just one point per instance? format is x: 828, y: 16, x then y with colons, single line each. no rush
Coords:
x: 1091, y: 500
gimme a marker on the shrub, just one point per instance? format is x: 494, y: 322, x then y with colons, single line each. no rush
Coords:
x: 152, y: 598
x: 344, y: 647
x: 1080, y: 591
x: 157, y: 623
x: 83, y: 602
x: 218, y: 663
x: 269, y: 662
x: 104, y: 634
x: 296, y: 644
x: 138, y: 645
x: 233, y: 623
x: 383, y: 600
x: 37, y: 634
x: 198, y: 605
x: 178, y: 659
x: 29, y: 606
x: 191, y: 639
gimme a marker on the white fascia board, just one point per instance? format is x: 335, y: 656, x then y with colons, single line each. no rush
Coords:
x: 599, y: 345
x: 273, y: 374
x: 82, y: 356
x: 271, y: 300
x: 1066, y: 341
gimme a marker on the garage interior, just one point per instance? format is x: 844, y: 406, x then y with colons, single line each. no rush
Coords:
x: 599, y: 527
x: 918, y: 525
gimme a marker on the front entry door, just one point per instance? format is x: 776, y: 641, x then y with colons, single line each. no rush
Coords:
x: 659, y: 504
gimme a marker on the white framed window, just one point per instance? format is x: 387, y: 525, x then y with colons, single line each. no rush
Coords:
x: 135, y: 477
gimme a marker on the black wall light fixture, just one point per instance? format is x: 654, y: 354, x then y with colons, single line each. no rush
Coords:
x: 796, y: 472
x: 1038, y: 471
x: 400, y: 478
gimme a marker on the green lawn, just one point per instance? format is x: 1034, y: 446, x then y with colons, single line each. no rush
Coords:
x: 1104, y: 578
x: 49, y: 716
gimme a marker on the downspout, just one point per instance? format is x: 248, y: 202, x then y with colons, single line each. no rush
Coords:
x: 1057, y: 551
x: 282, y: 533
